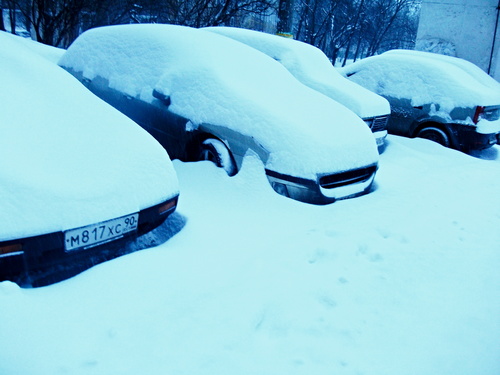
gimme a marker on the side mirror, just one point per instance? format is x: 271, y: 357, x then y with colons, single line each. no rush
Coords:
x: 165, y: 99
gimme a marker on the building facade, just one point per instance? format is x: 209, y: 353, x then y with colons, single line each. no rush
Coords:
x: 468, y: 29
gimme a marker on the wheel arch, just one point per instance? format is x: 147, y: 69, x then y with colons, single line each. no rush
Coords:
x: 197, y: 144
x: 430, y: 124
x: 238, y: 144
x: 439, y: 125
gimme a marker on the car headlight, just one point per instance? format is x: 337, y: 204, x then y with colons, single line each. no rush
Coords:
x: 281, y: 189
x: 168, y: 206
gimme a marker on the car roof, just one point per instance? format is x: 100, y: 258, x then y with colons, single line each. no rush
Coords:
x: 311, y: 67
x: 463, y: 64
x: 421, y: 78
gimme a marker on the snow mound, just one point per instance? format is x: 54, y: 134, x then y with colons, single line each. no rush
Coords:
x: 424, y: 78
x: 311, y: 67
x: 465, y: 65
x: 212, y: 79
x: 53, y: 54
x: 69, y: 158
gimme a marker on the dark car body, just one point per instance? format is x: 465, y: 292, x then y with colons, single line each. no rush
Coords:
x: 42, y: 259
x: 421, y: 121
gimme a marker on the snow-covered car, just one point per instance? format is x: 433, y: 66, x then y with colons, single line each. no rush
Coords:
x: 313, y: 68
x: 207, y: 97
x: 441, y: 98
x: 78, y: 179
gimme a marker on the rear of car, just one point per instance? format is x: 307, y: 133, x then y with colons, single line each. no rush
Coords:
x: 81, y: 180
x: 312, y: 67
x: 42, y: 259
x: 220, y: 99
x: 444, y: 99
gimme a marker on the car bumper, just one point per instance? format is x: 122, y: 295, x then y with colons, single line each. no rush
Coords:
x: 469, y: 139
x: 380, y: 138
x: 327, y: 188
x: 44, y: 259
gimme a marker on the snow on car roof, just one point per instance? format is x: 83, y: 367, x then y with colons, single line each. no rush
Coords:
x: 69, y: 159
x: 311, y: 67
x: 51, y: 53
x: 423, y: 79
x: 465, y: 65
x: 213, y: 79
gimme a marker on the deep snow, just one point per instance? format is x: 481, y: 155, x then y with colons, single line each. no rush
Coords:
x: 401, y: 281
x: 312, y: 67
x: 423, y: 78
x: 58, y: 141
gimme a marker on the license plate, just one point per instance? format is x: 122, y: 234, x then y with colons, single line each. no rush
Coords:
x: 96, y: 234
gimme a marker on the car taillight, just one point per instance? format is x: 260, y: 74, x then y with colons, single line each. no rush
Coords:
x: 478, y: 113
x: 10, y: 249
x: 170, y: 205
x: 489, y: 113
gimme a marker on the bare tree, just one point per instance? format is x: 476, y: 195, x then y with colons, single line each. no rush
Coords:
x: 2, y: 25
x: 327, y: 24
x: 341, y: 28
x: 355, y: 28
x: 285, y: 17
x: 50, y: 21
x: 10, y: 5
x: 110, y: 12
x: 200, y: 13
x: 54, y: 21
x: 384, y: 15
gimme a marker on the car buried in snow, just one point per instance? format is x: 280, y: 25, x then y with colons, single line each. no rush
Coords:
x: 207, y: 97
x: 312, y: 67
x: 442, y: 98
x: 79, y: 180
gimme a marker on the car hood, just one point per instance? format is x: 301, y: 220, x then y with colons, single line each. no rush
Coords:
x: 68, y: 158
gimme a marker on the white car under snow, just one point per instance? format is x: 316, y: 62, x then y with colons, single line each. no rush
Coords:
x: 313, y: 68
x: 77, y: 178
x: 205, y: 96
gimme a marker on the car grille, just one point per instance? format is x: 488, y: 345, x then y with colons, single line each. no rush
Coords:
x: 378, y: 123
x: 347, y: 178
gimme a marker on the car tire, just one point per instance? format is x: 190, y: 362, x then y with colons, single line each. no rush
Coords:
x: 216, y: 151
x: 435, y: 134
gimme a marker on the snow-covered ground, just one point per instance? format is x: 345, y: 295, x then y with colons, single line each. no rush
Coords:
x: 401, y: 281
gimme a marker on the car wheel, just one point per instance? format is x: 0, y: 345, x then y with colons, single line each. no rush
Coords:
x: 217, y: 152
x: 435, y: 134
